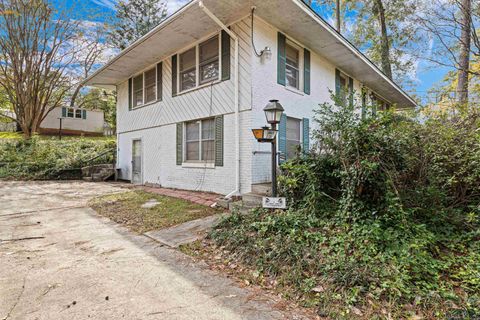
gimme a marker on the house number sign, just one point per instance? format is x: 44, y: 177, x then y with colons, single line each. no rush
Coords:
x: 274, y: 202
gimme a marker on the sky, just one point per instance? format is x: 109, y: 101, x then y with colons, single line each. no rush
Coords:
x: 425, y: 76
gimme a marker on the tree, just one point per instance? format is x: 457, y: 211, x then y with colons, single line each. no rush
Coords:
x: 91, y: 48
x: 385, y: 29
x: 36, y: 52
x: 453, y: 26
x: 135, y: 18
x: 97, y: 99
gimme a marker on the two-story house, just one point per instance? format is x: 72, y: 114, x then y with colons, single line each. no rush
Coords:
x: 191, y: 90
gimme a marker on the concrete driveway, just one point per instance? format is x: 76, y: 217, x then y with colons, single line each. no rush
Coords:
x: 65, y: 262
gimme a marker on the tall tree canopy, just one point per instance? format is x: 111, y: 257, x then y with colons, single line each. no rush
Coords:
x: 134, y: 18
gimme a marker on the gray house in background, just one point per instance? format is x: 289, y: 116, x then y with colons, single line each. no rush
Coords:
x: 74, y: 121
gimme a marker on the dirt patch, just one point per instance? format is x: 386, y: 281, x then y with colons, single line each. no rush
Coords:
x: 126, y: 208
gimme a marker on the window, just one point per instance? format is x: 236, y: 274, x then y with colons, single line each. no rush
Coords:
x: 188, y: 70
x: 379, y: 103
x: 200, y: 141
x: 150, y: 85
x: 293, y: 137
x: 143, y: 88
x: 199, y: 65
x: 138, y: 90
x: 209, y: 60
x: 73, y: 113
x: 292, y: 66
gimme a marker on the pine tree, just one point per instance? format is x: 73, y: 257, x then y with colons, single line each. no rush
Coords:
x: 135, y: 18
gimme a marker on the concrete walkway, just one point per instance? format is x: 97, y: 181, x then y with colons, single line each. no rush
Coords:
x: 59, y: 260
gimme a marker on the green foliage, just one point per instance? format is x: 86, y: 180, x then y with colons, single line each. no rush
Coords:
x: 135, y: 18
x: 97, y: 99
x: 37, y: 158
x: 384, y: 213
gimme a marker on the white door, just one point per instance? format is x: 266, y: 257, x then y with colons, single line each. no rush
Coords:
x: 137, y: 162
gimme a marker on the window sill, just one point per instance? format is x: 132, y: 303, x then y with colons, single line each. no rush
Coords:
x: 203, y: 165
x: 294, y: 90
x: 145, y: 105
x: 204, y: 85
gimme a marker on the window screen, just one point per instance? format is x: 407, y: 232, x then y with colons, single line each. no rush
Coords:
x: 292, y: 66
x: 150, y: 85
x: 293, y: 137
x: 188, y: 70
x: 209, y: 60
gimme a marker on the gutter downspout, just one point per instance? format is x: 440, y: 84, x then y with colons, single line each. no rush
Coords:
x: 237, y: 104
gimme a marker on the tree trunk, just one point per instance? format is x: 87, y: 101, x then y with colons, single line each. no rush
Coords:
x: 379, y: 11
x: 464, y: 59
x: 337, y: 15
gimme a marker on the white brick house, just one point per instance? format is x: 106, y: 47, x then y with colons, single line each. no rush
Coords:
x: 191, y: 90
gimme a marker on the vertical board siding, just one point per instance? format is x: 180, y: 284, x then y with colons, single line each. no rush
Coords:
x: 208, y: 101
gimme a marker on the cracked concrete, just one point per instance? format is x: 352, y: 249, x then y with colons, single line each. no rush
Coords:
x: 86, y: 266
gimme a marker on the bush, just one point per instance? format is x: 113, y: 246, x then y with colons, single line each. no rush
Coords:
x: 38, y: 158
x: 384, y: 212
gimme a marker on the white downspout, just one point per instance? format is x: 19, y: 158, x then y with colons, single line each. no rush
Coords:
x: 237, y: 104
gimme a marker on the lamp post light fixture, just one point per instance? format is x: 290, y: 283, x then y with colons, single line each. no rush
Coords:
x: 273, y: 113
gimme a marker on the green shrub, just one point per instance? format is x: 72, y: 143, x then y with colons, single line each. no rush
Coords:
x: 38, y: 158
x: 385, y: 212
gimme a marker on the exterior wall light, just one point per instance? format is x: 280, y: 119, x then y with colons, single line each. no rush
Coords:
x: 266, y: 53
x: 264, y: 134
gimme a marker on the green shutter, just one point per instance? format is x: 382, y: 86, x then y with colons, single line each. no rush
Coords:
x: 84, y: 114
x: 282, y: 138
x: 306, y: 71
x: 130, y: 93
x: 306, y: 135
x: 159, y: 81
x: 179, y: 143
x: 281, y: 60
x: 350, y: 91
x: 225, y: 56
x: 174, y: 75
x: 64, y: 112
x: 338, y: 87
x: 219, y: 141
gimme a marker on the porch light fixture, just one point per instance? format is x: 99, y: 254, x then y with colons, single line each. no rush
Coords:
x: 265, y: 134
x: 273, y: 112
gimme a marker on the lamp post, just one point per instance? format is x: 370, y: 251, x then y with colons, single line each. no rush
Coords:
x: 273, y: 114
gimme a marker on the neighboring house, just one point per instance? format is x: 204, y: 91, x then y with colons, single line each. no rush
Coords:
x: 188, y: 96
x: 74, y: 121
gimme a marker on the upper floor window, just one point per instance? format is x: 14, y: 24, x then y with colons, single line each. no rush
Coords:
x: 145, y: 87
x: 199, y: 65
x: 292, y: 68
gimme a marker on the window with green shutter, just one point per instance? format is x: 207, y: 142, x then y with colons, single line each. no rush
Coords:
x: 306, y: 135
x: 282, y: 138
x: 281, y: 59
x: 306, y: 71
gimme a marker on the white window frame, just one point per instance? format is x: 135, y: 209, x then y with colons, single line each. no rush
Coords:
x: 197, y: 64
x: 74, y: 110
x: 301, y: 54
x: 143, y: 87
x: 200, y: 140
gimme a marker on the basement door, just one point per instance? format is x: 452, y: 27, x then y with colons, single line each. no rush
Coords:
x: 137, y: 161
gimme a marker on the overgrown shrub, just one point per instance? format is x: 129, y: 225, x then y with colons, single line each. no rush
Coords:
x: 384, y: 216
x: 40, y: 158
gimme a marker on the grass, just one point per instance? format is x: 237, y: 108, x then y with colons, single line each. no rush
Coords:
x: 125, y: 208
x: 10, y: 135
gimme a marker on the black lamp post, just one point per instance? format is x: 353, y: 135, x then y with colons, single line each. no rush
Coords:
x: 273, y: 113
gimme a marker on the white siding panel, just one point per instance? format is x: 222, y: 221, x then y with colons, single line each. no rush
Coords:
x: 208, y: 101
